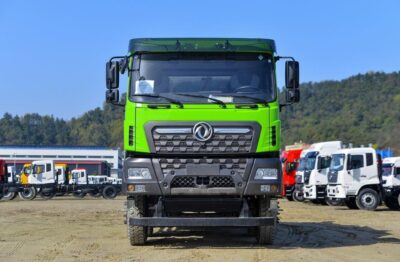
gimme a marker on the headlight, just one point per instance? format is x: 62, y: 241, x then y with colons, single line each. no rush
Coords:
x: 139, y: 173
x: 266, y: 173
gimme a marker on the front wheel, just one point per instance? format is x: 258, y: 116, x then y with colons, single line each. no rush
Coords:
x: 298, y: 196
x: 28, y: 193
x: 265, y: 234
x: 9, y: 196
x: 367, y: 199
x: 136, y: 209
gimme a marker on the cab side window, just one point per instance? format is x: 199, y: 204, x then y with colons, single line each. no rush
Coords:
x: 48, y: 167
x: 397, y: 171
x: 370, y: 160
x: 357, y: 161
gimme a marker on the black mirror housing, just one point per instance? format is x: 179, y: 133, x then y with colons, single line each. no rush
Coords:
x: 112, y: 96
x: 292, y: 74
x: 112, y: 75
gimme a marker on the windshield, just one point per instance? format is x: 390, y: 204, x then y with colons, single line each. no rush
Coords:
x: 37, y: 169
x: 387, y: 169
x: 311, y: 159
x: 210, y: 75
x: 302, y: 164
x: 337, y: 162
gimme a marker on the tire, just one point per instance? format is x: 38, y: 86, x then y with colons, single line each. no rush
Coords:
x: 9, y: 196
x: 95, y: 194
x: 334, y: 202
x: 290, y: 197
x: 47, y: 194
x: 28, y: 193
x: 298, y: 196
x: 78, y: 194
x: 137, y: 234
x: 110, y: 192
x: 351, y: 203
x: 368, y: 199
x: 392, y: 203
x: 265, y: 234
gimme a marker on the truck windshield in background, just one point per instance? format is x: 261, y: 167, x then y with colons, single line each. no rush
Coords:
x: 302, y: 164
x: 221, y: 75
x: 387, y: 169
x: 311, y: 159
x: 337, y: 162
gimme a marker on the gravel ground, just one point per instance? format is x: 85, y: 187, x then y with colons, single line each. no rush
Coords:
x: 67, y: 229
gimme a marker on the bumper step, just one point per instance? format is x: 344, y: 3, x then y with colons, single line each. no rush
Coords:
x: 202, y: 222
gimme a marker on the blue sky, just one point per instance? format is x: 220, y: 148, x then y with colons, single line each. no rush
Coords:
x: 53, y: 52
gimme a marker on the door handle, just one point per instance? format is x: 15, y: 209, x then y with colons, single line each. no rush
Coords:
x: 363, y: 176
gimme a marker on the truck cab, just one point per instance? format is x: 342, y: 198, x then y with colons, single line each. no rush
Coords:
x: 317, y: 163
x: 201, y: 132
x: 79, y: 177
x: 46, y: 172
x: 391, y: 182
x: 290, y: 159
x: 355, y: 177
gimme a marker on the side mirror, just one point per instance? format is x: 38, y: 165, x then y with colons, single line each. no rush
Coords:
x: 112, y: 75
x: 112, y: 96
x: 292, y: 78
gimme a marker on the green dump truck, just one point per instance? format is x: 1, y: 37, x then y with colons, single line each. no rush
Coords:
x: 201, y: 133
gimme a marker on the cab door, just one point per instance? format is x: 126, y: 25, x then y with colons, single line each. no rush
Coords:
x: 355, y: 172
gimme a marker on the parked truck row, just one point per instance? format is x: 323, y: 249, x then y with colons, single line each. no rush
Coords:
x: 48, y: 179
x: 329, y: 174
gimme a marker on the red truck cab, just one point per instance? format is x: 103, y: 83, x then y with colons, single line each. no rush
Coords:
x: 3, y: 171
x: 290, y: 160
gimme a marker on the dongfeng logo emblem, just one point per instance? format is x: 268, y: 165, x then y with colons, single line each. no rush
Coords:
x: 202, y: 131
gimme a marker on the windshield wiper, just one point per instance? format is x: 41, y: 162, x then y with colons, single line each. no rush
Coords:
x: 217, y: 101
x: 171, y: 100
x: 255, y: 99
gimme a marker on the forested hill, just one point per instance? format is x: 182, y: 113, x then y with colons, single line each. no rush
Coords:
x: 362, y: 109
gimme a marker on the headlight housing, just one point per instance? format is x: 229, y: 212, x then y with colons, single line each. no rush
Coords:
x: 139, y: 173
x: 266, y: 174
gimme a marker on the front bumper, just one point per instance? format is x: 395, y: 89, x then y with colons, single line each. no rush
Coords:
x: 336, y: 191
x: 202, y: 221
x: 201, y: 179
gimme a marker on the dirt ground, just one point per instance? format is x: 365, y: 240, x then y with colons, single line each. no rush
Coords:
x: 67, y: 229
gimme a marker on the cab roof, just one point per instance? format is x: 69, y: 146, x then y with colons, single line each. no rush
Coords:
x: 356, y: 150
x: 144, y: 45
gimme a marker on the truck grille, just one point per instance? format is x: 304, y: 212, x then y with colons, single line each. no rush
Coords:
x: 176, y: 165
x: 332, y: 177
x: 202, y: 181
x: 299, y: 179
x: 225, y: 138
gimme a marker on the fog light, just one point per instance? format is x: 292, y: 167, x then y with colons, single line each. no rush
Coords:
x: 131, y: 188
x: 139, y: 173
x: 274, y: 188
x: 266, y: 173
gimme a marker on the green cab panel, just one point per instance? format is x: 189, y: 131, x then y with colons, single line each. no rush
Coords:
x: 137, y: 115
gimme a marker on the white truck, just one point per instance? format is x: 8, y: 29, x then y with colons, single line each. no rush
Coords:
x: 391, y: 182
x: 355, y: 177
x: 318, y: 159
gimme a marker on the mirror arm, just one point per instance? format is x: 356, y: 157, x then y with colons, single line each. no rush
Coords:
x: 277, y: 58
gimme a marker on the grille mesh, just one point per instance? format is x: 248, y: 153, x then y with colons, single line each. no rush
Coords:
x: 203, y: 181
x: 185, y: 143
x: 236, y: 165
